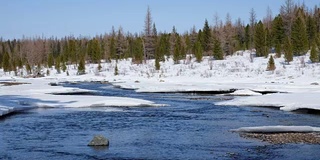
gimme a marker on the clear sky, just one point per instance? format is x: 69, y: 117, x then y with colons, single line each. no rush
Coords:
x: 90, y: 17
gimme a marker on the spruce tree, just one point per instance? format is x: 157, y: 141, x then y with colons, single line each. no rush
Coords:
x: 112, y: 47
x: 299, y: 36
x: 288, y: 53
x: 247, y: 36
x: 260, y: 40
x: 6, y: 62
x: 50, y: 60
x: 271, y: 65
x: 177, y: 50
x: 311, y: 30
x: 138, y: 51
x: 314, y: 55
x: 278, y: 34
x: 198, y: 51
x: 206, y: 37
x: 81, y: 67
x: 217, y: 50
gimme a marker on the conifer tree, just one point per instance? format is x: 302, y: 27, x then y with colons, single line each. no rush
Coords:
x: 299, y: 36
x: 260, y: 40
x: 247, y: 36
x: 198, y: 51
x: 6, y: 62
x: 288, y: 53
x: 81, y: 67
x: 50, y: 60
x: 206, y: 45
x: 177, y: 50
x: 271, y: 65
x: 311, y: 30
x: 138, y: 51
x: 278, y: 33
x: 314, y: 55
x: 112, y: 47
x: 217, y: 50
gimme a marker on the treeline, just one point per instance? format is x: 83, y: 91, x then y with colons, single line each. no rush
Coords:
x: 294, y: 31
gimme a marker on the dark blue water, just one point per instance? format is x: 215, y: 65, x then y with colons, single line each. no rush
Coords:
x: 192, y: 127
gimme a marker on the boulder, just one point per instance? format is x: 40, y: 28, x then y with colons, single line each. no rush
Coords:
x: 99, y: 140
x: 315, y: 84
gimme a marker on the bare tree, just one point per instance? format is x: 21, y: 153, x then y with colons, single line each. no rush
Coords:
x: 148, y: 37
x: 253, y: 21
x: 268, y: 19
x: 228, y: 31
x: 287, y: 13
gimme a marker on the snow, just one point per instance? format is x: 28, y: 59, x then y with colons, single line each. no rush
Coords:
x: 39, y: 94
x: 236, y: 72
x: 278, y: 129
x: 286, y: 102
x: 245, y: 92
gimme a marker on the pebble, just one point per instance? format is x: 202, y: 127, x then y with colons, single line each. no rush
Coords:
x: 285, y: 138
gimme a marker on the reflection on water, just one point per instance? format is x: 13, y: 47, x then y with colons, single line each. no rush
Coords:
x: 190, y: 128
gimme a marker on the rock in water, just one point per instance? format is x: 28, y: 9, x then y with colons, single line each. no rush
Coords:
x: 99, y: 140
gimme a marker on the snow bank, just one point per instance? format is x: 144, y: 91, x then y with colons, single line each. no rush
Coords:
x: 245, y: 92
x: 37, y: 93
x: 278, y: 129
x: 286, y: 102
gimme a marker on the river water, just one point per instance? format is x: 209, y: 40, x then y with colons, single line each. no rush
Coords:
x: 191, y: 127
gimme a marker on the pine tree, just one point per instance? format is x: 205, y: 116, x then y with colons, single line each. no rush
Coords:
x: 247, y: 37
x: 311, y: 30
x: 260, y: 40
x: 314, y: 55
x: 177, y: 50
x: 271, y: 65
x: 268, y: 40
x: 138, y: 51
x: 6, y: 62
x: 112, y: 47
x: 50, y: 60
x: 198, y: 51
x: 299, y: 36
x: 206, y: 45
x: 288, y: 53
x: 217, y: 50
x: 278, y: 33
x: 81, y: 67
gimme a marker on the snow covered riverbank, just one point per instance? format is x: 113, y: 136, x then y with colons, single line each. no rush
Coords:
x: 38, y: 93
x: 298, y: 83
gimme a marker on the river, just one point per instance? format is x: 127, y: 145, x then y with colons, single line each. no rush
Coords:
x: 190, y: 127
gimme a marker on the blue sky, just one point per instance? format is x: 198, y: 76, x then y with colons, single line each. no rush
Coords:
x: 90, y: 17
